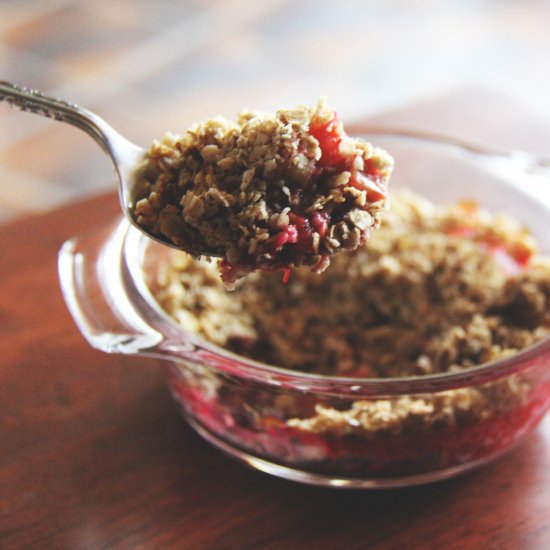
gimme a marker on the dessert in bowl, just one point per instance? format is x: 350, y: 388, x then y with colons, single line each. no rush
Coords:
x: 423, y: 355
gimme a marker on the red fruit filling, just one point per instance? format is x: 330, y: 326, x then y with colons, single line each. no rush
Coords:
x: 289, y: 234
x: 385, y: 453
x: 329, y: 136
x: 320, y: 223
x: 375, y: 191
x: 286, y: 275
x: 304, y: 231
x: 512, y: 259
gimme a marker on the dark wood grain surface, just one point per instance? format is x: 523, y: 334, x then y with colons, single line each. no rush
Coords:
x: 93, y: 453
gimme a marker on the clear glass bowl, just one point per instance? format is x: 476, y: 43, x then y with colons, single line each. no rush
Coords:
x: 243, y: 407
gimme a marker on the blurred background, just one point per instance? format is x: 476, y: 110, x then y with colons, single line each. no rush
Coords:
x: 150, y: 66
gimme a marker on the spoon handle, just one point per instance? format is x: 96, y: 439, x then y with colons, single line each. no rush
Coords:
x: 33, y: 101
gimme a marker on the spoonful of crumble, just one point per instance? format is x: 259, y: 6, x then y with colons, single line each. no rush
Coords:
x: 267, y: 191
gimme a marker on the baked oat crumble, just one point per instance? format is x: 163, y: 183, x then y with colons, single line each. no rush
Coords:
x: 268, y: 192
x: 441, y: 289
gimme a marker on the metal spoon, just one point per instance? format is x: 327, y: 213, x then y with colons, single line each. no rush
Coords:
x: 128, y: 158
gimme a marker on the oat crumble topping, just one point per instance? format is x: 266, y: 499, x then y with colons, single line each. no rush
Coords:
x: 441, y: 289
x: 268, y: 191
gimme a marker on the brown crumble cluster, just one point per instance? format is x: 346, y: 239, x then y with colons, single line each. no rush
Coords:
x: 408, y: 415
x: 440, y: 289
x: 268, y: 191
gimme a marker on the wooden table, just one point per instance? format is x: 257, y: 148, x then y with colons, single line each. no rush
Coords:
x: 93, y: 453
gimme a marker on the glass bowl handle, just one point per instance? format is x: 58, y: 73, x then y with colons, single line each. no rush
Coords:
x: 91, y: 277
